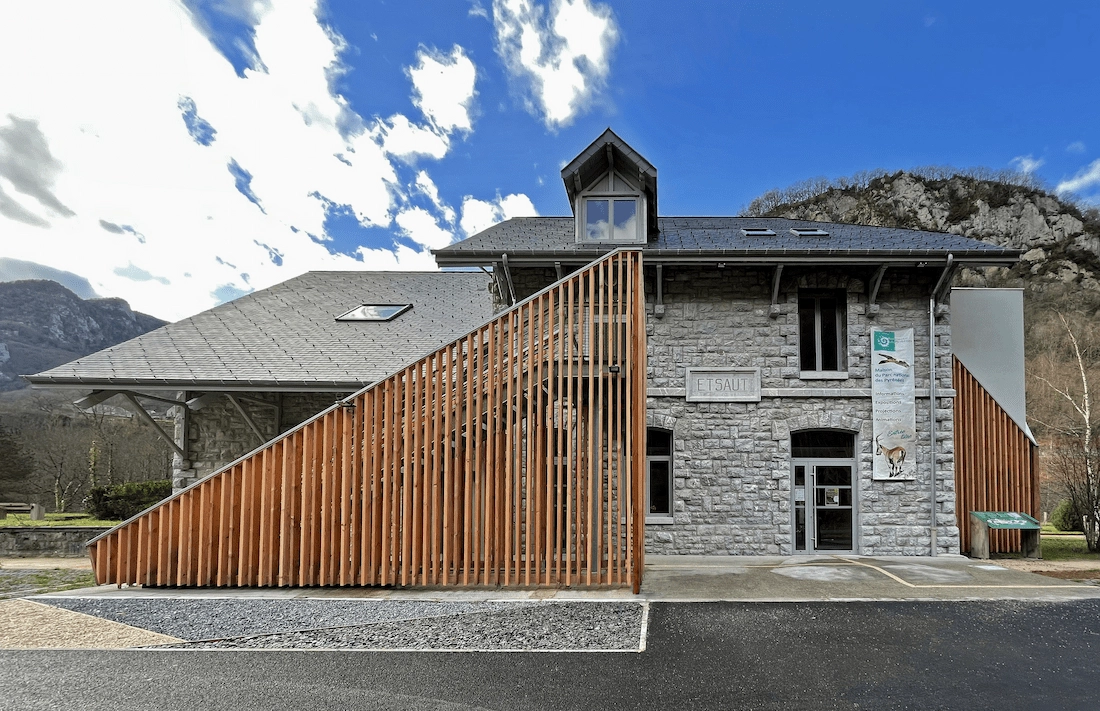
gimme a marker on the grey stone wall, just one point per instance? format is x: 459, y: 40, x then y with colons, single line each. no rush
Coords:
x: 47, y: 542
x: 217, y: 434
x: 731, y: 461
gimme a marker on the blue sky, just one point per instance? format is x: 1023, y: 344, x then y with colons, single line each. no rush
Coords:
x: 177, y: 155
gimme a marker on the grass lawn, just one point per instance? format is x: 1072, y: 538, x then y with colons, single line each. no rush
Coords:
x: 1064, y: 547
x: 54, y: 519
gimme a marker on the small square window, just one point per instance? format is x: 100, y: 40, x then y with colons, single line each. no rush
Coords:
x: 374, y: 312
x: 822, y: 321
x: 611, y: 219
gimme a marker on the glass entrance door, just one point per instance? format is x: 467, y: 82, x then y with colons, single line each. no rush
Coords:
x: 822, y: 499
x: 832, y: 507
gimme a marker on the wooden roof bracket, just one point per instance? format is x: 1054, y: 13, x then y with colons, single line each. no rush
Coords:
x: 659, y: 306
x: 943, y: 285
x: 773, y: 310
x: 144, y: 416
x: 508, y: 279
x: 557, y: 270
x: 872, y: 294
x: 246, y: 417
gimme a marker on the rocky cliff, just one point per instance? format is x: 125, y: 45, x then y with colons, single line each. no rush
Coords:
x: 43, y: 324
x: 1060, y: 241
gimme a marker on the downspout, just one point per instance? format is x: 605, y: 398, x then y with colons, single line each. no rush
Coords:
x: 932, y: 395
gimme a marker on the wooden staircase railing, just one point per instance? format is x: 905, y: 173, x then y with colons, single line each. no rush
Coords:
x: 513, y: 456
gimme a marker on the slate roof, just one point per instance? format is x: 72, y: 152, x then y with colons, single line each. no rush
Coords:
x: 534, y: 238
x: 286, y: 337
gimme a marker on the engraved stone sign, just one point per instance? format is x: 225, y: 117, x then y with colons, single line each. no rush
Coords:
x: 723, y: 384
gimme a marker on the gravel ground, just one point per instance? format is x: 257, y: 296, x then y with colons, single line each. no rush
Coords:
x: 544, y: 626
x: 214, y: 618
x: 373, y: 624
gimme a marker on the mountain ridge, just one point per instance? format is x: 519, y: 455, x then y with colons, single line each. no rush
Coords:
x: 1060, y: 240
x: 43, y: 324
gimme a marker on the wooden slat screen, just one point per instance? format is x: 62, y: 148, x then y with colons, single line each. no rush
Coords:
x: 996, y: 467
x: 513, y: 456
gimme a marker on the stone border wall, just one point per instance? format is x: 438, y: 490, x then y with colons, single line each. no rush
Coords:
x: 47, y: 541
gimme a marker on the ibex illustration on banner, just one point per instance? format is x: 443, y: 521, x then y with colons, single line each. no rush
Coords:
x: 895, y: 457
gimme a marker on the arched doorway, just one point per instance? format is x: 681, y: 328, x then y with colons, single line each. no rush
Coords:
x: 823, y: 491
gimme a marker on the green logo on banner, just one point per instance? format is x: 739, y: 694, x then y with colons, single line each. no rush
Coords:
x: 884, y: 340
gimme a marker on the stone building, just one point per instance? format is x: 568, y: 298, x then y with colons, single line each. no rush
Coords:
x: 758, y: 334
x: 799, y: 389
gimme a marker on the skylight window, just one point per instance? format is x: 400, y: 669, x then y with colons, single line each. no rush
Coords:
x: 375, y: 312
x: 757, y: 232
x: 808, y: 232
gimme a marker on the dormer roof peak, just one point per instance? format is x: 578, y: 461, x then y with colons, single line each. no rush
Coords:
x: 609, y: 152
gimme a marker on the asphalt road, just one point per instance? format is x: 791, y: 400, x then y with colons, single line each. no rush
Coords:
x: 1003, y: 655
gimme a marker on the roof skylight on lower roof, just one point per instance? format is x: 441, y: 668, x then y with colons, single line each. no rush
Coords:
x: 808, y: 232
x: 374, y: 312
x: 757, y: 232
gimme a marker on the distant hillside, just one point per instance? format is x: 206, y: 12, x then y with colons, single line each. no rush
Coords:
x: 43, y: 324
x: 1061, y: 242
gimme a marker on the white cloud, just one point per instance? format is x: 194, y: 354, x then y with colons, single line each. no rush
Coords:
x: 478, y: 215
x: 444, y: 87
x: 478, y: 10
x: 1086, y: 179
x: 402, y: 138
x: 426, y: 186
x: 1076, y: 147
x: 444, y: 92
x: 1026, y: 164
x: 422, y: 227
x: 564, y: 53
x: 142, y: 117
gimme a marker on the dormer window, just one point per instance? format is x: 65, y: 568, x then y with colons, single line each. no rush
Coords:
x: 613, y: 192
x: 613, y: 219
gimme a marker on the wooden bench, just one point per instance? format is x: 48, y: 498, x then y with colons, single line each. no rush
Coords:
x: 37, y: 512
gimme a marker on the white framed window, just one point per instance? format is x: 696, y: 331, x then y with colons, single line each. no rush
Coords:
x: 612, y: 218
x: 658, y: 476
x: 822, y: 329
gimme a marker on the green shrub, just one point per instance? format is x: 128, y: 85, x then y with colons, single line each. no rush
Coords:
x: 1066, y: 518
x: 122, y: 501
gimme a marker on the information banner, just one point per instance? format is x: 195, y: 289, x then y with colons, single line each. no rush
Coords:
x: 893, y: 400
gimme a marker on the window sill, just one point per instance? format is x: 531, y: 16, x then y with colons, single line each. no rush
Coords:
x: 659, y: 520
x: 823, y: 375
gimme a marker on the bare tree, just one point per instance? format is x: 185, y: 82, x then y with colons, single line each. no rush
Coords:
x: 1064, y: 368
